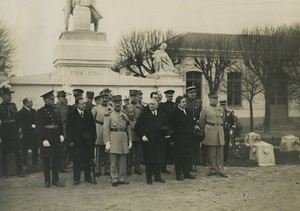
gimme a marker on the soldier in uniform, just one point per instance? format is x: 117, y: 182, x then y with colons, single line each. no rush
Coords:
x: 117, y: 139
x: 195, y: 106
x: 29, y: 140
x: 168, y: 107
x: 9, y: 131
x: 77, y: 93
x: 212, y: 120
x: 62, y: 105
x: 89, y: 100
x: 140, y: 98
x: 126, y: 102
x: 102, y: 157
x: 50, y: 130
x: 97, y: 100
x: 133, y: 111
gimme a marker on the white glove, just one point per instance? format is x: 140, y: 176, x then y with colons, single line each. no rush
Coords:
x: 33, y: 126
x: 107, y: 146
x: 61, y: 137
x: 71, y: 144
x: 144, y: 138
x: 130, y: 145
x: 46, y: 143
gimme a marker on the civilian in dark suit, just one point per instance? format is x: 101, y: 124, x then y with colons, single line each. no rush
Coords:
x: 149, y: 128
x: 29, y: 140
x: 81, y: 132
x: 182, y: 123
x: 50, y: 130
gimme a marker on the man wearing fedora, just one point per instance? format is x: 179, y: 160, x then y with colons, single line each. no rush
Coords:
x: 10, y: 131
x: 50, y: 130
x: 211, y: 120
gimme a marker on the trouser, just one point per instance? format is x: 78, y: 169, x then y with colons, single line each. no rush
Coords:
x: 51, y: 163
x: 196, y: 154
x: 226, y: 149
x: 64, y: 153
x: 182, y: 166
x: 205, y: 156
x: 169, y: 149
x: 77, y: 170
x: 135, y: 156
x: 216, y: 159
x: 34, y: 155
x: 4, y: 161
x: 153, y: 169
x: 118, y: 167
x: 102, y: 160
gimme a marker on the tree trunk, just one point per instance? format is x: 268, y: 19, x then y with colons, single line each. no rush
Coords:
x: 251, y: 115
x: 267, y: 122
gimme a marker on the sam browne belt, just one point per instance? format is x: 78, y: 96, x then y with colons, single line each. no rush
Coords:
x: 214, y: 124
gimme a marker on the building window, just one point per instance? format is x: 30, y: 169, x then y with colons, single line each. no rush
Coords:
x: 234, y: 95
x: 194, y: 78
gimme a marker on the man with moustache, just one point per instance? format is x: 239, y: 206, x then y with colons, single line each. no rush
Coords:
x: 212, y: 120
x: 117, y: 139
x: 50, y: 130
x: 99, y: 112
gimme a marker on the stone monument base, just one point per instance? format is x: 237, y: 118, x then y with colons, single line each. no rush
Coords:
x: 163, y: 75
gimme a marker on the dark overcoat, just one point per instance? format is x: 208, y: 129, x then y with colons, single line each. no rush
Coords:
x: 49, y: 127
x: 9, y: 127
x: 152, y: 127
x: 183, y: 135
x: 27, y: 119
x: 82, y: 132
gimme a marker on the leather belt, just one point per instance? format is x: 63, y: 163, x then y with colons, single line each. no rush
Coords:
x: 98, y: 122
x: 214, y: 124
x: 51, y: 126
x: 118, y: 129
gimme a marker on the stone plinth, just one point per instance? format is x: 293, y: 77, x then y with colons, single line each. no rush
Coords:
x: 251, y: 138
x: 289, y: 143
x: 163, y: 75
x: 263, y: 153
x: 82, y: 18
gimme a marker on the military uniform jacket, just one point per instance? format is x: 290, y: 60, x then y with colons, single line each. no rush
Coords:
x: 99, y: 112
x: 26, y: 118
x: 81, y: 132
x: 89, y: 106
x: 168, y: 107
x: 9, y: 127
x: 195, y: 106
x: 49, y: 127
x: 133, y: 111
x: 212, y: 119
x: 116, y: 130
x: 63, y: 109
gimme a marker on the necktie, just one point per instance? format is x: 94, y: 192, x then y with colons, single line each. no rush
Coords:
x: 81, y: 114
x: 154, y: 113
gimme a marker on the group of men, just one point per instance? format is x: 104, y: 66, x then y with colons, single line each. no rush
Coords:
x: 116, y: 135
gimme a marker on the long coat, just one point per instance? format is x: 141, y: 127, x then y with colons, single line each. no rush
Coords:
x: 119, y: 140
x: 152, y: 127
x: 81, y: 131
x: 49, y: 127
x: 99, y: 112
x: 9, y: 127
x: 26, y: 118
x: 214, y: 134
x: 183, y: 127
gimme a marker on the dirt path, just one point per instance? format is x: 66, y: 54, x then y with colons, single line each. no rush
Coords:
x: 248, y: 188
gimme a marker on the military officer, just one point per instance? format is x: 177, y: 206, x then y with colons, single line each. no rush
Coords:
x: 50, y: 130
x: 97, y: 100
x: 9, y: 131
x: 62, y: 105
x: 195, y: 106
x: 117, y: 139
x: 212, y: 120
x: 168, y: 107
x: 102, y: 157
x: 77, y: 93
x: 140, y: 99
x: 89, y: 100
x: 133, y: 111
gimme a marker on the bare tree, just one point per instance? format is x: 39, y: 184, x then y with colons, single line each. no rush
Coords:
x: 267, y: 51
x: 134, y: 50
x: 213, y: 58
x: 7, y: 48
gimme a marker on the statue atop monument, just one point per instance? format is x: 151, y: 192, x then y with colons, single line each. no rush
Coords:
x: 71, y: 5
x: 162, y: 61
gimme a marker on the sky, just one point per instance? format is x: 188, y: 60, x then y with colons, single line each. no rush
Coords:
x: 35, y: 25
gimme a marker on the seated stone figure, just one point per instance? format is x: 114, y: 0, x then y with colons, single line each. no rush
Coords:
x: 91, y: 4
x: 162, y: 61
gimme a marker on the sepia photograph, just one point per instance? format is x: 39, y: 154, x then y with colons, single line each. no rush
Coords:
x: 149, y: 105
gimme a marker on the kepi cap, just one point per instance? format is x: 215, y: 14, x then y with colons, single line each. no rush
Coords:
x: 97, y: 97
x: 48, y: 95
x: 133, y: 92
x: 61, y: 94
x: 116, y: 98
x: 191, y: 89
x: 170, y: 92
x: 77, y: 92
x: 140, y: 92
x: 90, y: 94
x: 213, y: 95
x: 223, y: 102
